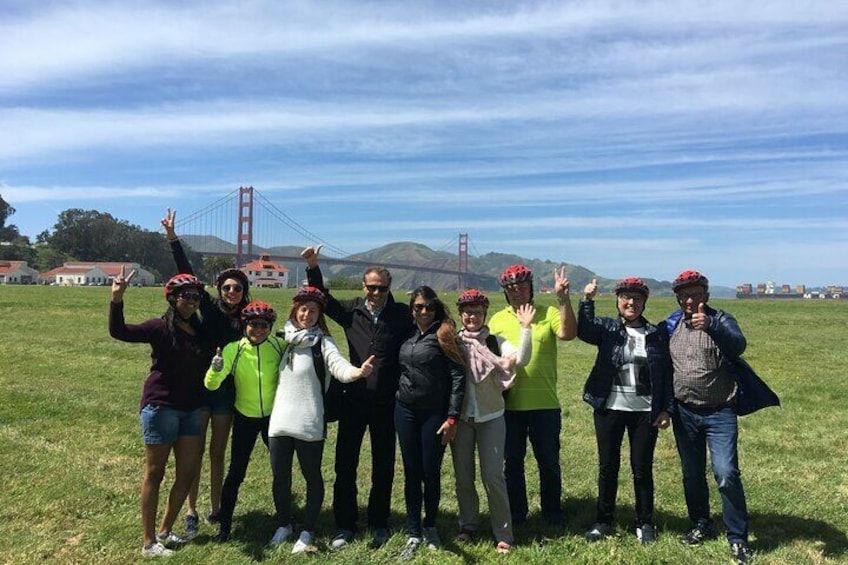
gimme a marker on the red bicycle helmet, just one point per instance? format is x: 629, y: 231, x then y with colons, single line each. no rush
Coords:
x: 472, y: 297
x: 259, y: 309
x: 181, y: 281
x: 515, y: 274
x: 690, y: 277
x: 632, y: 284
x: 312, y: 293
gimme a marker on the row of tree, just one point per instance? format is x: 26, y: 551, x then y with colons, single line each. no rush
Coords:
x: 89, y: 235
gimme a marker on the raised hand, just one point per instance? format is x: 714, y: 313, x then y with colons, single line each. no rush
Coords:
x: 591, y: 289
x: 700, y: 320
x: 561, y: 284
x: 525, y: 314
x: 120, y: 284
x: 168, y: 223
x: 311, y: 255
x: 217, y: 363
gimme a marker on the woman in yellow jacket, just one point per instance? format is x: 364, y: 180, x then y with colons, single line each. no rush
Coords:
x: 254, y: 362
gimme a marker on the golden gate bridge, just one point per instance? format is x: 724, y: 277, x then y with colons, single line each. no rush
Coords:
x: 252, y: 218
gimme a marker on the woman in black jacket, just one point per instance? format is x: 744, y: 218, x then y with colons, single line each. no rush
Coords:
x: 222, y: 322
x: 630, y: 389
x: 429, y: 400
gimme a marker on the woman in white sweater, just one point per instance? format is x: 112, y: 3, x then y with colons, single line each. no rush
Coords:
x: 297, y: 420
x: 491, y: 362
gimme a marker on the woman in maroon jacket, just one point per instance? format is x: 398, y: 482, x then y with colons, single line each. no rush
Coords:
x: 171, y: 399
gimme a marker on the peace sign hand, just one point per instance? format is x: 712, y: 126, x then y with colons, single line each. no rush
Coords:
x: 168, y: 223
x: 120, y: 284
x: 561, y: 284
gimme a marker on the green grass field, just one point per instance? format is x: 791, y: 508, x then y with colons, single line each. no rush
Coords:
x: 71, y: 450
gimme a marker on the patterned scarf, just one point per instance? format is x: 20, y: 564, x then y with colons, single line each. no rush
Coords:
x: 298, y: 338
x: 482, y: 363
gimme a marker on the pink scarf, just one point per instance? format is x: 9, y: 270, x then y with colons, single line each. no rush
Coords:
x: 482, y: 363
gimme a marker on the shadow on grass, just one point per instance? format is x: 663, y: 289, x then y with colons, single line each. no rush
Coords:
x: 774, y: 530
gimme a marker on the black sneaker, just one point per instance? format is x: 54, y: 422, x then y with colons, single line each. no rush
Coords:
x: 741, y: 552
x: 701, y: 532
x: 223, y: 533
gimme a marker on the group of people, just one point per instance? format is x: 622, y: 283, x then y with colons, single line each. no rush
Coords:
x: 418, y: 379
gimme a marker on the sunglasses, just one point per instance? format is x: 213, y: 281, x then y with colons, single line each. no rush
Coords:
x: 189, y: 295
x: 232, y: 287
x: 377, y: 288
x: 259, y: 324
x: 421, y: 307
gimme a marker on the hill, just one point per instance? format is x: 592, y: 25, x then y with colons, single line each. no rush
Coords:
x: 483, y: 270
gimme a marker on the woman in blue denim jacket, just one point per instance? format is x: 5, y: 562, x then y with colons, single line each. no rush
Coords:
x: 630, y: 389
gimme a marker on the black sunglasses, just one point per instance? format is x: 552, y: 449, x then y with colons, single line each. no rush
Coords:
x: 258, y: 323
x: 189, y: 295
x: 233, y: 287
x: 421, y: 307
x: 377, y: 288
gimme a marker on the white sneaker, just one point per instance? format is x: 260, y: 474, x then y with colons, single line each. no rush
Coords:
x: 156, y: 550
x: 303, y: 542
x: 281, y: 535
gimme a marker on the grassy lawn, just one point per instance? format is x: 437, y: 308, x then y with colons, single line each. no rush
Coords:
x: 71, y: 448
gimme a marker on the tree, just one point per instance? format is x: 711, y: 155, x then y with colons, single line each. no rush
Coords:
x: 7, y: 233
x: 89, y: 235
x: 213, y: 264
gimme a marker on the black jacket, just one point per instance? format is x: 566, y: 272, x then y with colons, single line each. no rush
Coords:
x: 364, y: 339
x: 219, y: 323
x: 610, y: 336
x: 429, y: 379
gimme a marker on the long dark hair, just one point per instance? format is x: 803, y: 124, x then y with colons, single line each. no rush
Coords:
x: 194, y: 321
x: 446, y: 334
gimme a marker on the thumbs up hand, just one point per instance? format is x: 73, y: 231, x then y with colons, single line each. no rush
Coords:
x: 700, y: 320
x: 590, y: 290
x: 217, y: 361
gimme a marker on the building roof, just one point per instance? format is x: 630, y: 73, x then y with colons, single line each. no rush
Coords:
x: 265, y: 264
x: 10, y: 266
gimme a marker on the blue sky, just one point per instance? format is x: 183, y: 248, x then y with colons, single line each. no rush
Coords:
x: 628, y: 137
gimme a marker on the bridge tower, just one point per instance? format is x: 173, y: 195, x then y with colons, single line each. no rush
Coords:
x: 244, y: 242
x: 463, y: 261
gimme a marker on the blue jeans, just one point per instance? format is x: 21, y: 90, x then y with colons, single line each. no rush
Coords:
x: 696, y: 429
x: 543, y: 428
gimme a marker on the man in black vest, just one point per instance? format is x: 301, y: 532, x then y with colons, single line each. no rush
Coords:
x: 374, y: 324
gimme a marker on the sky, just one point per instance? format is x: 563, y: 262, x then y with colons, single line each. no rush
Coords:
x: 632, y: 138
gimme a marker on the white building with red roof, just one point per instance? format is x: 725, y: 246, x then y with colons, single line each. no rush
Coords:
x: 93, y: 273
x: 18, y: 272
x: 264, y: 272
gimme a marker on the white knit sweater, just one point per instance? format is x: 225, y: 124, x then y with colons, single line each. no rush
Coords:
x: 299, y: 404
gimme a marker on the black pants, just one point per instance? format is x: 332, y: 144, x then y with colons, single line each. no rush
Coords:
x: 357, y: 415
x: 309, y: 455
x: 642, y: 436
x: 245, y: 431
x: 422, y: 452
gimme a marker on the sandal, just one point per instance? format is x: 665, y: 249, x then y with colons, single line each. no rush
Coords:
x: 503, y: 548
x: 465, y: 535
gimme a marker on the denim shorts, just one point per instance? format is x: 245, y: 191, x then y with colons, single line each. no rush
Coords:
x: 221, y: 401
x: 162, y: 424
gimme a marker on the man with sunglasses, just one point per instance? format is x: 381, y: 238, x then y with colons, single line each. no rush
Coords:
x: 374, y: 324
x: 532, y: 404
x: 713, y: 385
